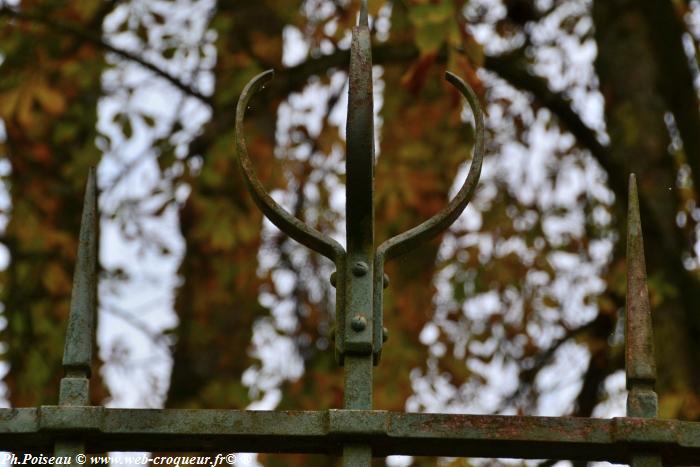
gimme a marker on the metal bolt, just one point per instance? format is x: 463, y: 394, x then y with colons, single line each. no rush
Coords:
x: 333, y: 278
x: 358, y: 323
x: 385, y: 334
x: 360, y: 269
x: 386, y: 280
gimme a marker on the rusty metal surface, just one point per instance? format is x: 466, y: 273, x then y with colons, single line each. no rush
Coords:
x: 640, y: 363
x: 639, y: 340
x: 357, y: 334
x: 360, y: 144
x: 77, y: 355
x: 327, y: 431
x: 359, y: 224
x: 307, y: 236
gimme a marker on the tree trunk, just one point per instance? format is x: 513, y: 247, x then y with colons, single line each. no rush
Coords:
x: 629, y: 80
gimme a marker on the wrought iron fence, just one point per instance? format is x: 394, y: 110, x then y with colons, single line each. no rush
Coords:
x: 358, y: 433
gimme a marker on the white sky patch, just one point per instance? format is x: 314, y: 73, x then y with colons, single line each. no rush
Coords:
x: 135, y: 312
x: 5, y: 207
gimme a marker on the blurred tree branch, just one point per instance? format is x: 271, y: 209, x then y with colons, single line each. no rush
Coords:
x: 88, y: 36
x: 675, y: 79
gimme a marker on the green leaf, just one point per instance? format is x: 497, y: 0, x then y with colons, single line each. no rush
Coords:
x: 433, y: 23
x: 148, y: 120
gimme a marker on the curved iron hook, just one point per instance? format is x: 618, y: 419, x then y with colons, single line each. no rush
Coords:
x: 410, y: 239
x: 302, y: 233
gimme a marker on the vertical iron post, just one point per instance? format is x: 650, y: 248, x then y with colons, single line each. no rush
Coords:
x: 358, y: 322
x: 78, y: 351
x: 640, y: 364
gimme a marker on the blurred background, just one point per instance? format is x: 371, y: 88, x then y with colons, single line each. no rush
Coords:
x: 518, y: 309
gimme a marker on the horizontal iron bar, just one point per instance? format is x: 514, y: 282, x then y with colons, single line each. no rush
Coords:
x: 106, y: 429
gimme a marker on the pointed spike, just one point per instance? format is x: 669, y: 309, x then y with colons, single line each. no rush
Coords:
x: 639, y: 346
x: 360, y: 142
x: 363, y: 13
x: 77, y: 355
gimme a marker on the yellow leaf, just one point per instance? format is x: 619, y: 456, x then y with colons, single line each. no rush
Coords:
x: 373, y: 6
x: 51, y: 100
x: 8, y: 103
x: 56, y: 280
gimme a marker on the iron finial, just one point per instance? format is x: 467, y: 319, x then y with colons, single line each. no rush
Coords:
x: 354, y: 284
x: 77, y: 356
x: 639, y: 345
x: 81, y: 322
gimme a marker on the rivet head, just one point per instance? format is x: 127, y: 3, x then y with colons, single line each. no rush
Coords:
x: 386, y: 280
x: 385, y: 334
x: 358, y: 323
x: 334, y: 278
x: 360, y: 268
